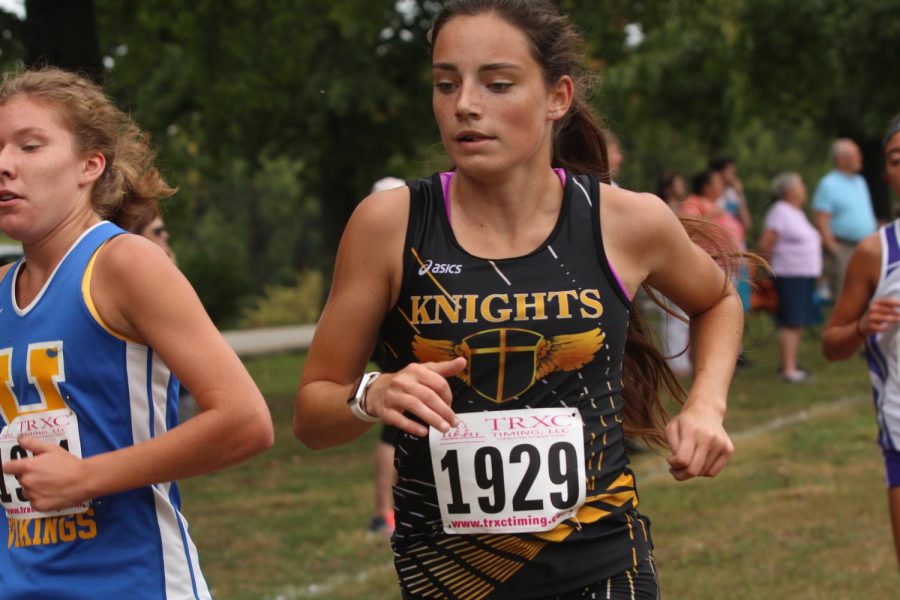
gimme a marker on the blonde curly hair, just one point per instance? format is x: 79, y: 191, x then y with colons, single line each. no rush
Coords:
x: 130, y: 182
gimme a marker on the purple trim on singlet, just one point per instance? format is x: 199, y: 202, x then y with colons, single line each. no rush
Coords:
x: 447, y: 176
x: 618, y: 279
x: 561, y: 173
x: 445, y: 183
x: 891, y: 467
x: 893, y: 248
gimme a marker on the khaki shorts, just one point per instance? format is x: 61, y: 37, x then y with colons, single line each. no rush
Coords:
x: 836, y: 266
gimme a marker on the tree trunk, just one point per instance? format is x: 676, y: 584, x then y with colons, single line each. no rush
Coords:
x: 339, y: 180
x: 873, y: 171
x: 63, y: 33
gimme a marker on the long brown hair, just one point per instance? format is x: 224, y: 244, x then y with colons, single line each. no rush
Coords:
x: 579, y: 145
x: 130, y: 182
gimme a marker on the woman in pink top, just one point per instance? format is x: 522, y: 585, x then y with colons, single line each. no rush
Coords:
x: 707, y: 187
x: 794, y: 249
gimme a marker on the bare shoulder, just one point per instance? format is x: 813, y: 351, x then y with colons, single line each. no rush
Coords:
x: 642, y: 237
x: 133, y: 276
x: 865, y: 262
x: 870, y: 247
x: 624, y: 208
x: 371, y: 248
x: 382, y: 213
x: 634, y: 220
x: 119, y: 256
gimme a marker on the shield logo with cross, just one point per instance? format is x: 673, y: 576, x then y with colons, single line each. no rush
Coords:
x: 510, y: 354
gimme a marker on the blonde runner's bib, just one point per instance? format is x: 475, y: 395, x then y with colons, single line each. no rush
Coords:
x: 511, y: 471
x: 58, y: 427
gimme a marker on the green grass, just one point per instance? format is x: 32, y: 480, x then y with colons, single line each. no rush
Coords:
x: 799, y: 513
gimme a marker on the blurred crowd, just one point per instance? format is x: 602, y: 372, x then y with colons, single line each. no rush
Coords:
x: 808, y: 251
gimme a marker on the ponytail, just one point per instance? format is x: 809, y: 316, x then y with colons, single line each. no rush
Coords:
x: 579, y: 144
x: 133, y: 185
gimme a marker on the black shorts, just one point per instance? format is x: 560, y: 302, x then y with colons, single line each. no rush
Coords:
x: 389, y: 434
x: 638, y: 583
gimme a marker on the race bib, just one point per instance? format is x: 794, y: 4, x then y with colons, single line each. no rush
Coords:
x: 512, y: 471
x: 54, y: 426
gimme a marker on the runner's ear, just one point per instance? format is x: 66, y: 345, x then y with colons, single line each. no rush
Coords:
x: 561, y: 95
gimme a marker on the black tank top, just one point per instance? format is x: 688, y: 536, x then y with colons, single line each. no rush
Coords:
x: 542, y: 330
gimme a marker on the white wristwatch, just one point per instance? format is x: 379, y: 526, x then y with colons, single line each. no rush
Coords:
x: 357, y: 402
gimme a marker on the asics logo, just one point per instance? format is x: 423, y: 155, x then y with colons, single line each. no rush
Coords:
x: 439, y: 268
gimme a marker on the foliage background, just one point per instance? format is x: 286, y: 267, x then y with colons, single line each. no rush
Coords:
x: 274, y: 117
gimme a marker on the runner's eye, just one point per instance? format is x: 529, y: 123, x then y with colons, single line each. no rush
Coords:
x: 445, y: 87
x: 499, y: 86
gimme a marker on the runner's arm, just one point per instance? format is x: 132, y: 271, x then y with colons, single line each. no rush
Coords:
x: 367, y: 274
x: 648, y: 243
x: 851, y: 322
x: 155, y: 305
x: 700, y: 446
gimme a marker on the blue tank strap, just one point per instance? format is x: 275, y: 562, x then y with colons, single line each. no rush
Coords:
x: 92, y: 240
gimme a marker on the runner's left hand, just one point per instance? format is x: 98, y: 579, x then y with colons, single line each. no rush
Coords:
x: 700, y: 446
x: 52, y: 479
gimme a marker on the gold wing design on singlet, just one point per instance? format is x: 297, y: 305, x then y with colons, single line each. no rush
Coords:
x: 567, y: 352
x: 440, y: 350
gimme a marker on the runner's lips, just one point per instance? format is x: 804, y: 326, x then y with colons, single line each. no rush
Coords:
x: 5, y: 196
x: 472, y: 136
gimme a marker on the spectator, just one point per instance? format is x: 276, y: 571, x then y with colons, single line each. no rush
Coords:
x: 708, y: 187
x: 842, y: 210
x: 385, y: 474
x: 793, y: 246
x: 674, y: 328
x: 670, y: 187
x: 147, y: 221
x: 734, y: 205
x: 732, y: 199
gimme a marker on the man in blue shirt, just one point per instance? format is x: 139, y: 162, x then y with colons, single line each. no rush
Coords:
x: 842, y: 209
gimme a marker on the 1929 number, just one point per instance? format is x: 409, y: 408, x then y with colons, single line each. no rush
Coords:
x: 561, y: 470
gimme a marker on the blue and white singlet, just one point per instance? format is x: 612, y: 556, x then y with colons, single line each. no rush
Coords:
x: 60, y: 364
x: 882, y: 352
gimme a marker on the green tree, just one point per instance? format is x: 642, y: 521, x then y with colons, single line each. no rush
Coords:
x: 274, y: 117
x: 827, y: 62
x: 338, y: 84
x: 768, y: 81
x: 12, y: 49
x: 63, y: 34
x: 337, y: 87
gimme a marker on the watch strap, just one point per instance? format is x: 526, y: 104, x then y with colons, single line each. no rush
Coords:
x: 357, y: 402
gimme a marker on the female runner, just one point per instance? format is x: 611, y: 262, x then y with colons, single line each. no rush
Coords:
x: 501, y: 291
x: 91, y: 322
x: 866, y: 314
